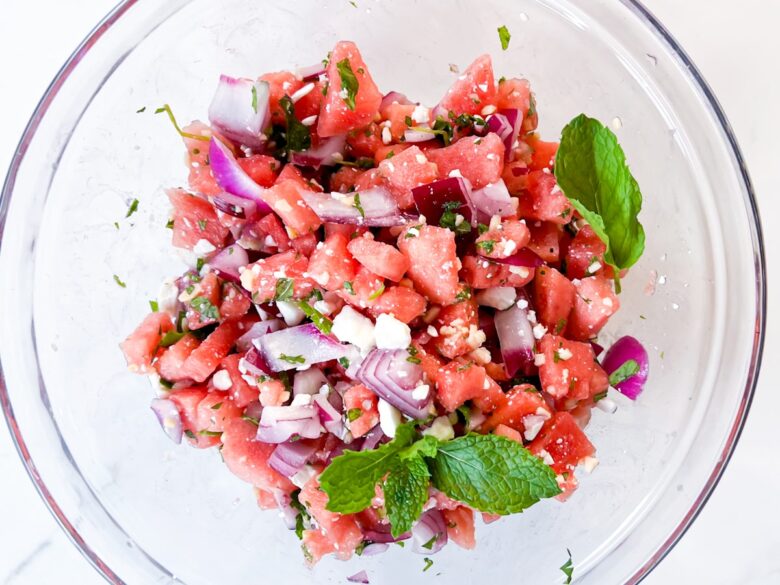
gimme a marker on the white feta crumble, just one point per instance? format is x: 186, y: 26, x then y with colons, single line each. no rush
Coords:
x: 531, y: 316
x: 546, y: 457
x: 283, y: 206
x: 455, y: 173
x: 481, y: 356
x: 421, y: 159
x: 291, y: 313
x: 589, y: 463
x: 522, y: 304
x: 421, y: 392
x: 594, y: 267
x: 539, y: 359
x: 441, y: 428
x: 607, y: 302
x: 520, y: 271
x: 487, y: 110
x: 421, y: 115
x: 203, y: 248
x: 390, y: 418
x: 221, y: 380
x: 349, y: 326
x: 167, y: 296
x: 564, y: 354
x: 302, y: 400
x: 390, y: 333
x: 532, y: 424
x: 301, y: 478
x: 301, y: 93
x: 309, y: 120
x: 324, y: 307
x: 387, y: 137
x: 432, y: 331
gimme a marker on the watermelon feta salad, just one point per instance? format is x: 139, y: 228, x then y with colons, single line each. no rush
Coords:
x: 390, y: 319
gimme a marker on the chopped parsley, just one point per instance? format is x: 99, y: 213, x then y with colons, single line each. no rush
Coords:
x: 413, y: 360
x: 487, y: 246
x: 170, y: 338
x: 248, y: 418
x: 599, y: 396
x: 167, y: 109
x: 377, y: 293
x: 140, y: 110
x: 217, y: 406
x: 200, y: 262
x: 133, y: 208
x: 320, y: 321
x: 190, y: 434
x: 292, y: 359
x: 560, y: 326
x: 254, y: 98
x: 408, y: 120
x: 428, y: 564
x: 169, y: 224
x: 568, y: 568
x: 202, y: 223
x: 626, y: 370
x: 119, y: 281
x: 431, y: 542
x: 348, y: 287
x: 284, y: 289
x: 154, y: 306
x: 344, y: 362
x: 360, y: 163
x: 464, y: 294
x: 206, y: 309
x: 349, y: 83
x: 353, y: 414
x: 298, y: 135
x: 482, y: 228
x: 207, y: 433
x: 449, y: 218
x: 303, y: 517
x: 358, y: 205
x: 504, y: 36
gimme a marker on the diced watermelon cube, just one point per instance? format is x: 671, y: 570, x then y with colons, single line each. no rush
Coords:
x: 565, y: 443
x: 480, y: 160
x: 141, y: 345
x: 553, y: 298
x: 474, y: 89
x: 194, y: 219
x: 381, y: 259
x: 433, y: 262
x: 404, y: 304
x: 331, y: 264
x: 594, y: 303
x: 360, y: 404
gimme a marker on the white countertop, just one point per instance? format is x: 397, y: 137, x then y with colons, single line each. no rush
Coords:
x: 736, y: 46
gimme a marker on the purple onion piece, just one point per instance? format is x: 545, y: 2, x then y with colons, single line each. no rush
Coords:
x: 372, y: 438
x: 289, y: 458
x: 375, y: 548
x: 281, y: 423
x: 429, y: 534
x: 378, y: 204
x: 624, y: 349
x: 309, y: 381
x: 394, y: 97
x: 431, y: 198
x: 515, y: 119
x: 500, y: 125
x: 385, y: 537
x: 289, y: 514
x: 169, y: 418
x: 416, y: 136
x: 328, y: 153
x: 256, y: 364
x: 359, y: 577
x: 239, y: 110
x: 299, y: 347
x: 232, y: 178
x: 311, y: 72
x: 523, y: 257
x: 256, y: 331
x: 392, y: 377
x: 597, y: 349
x: 516, y: 338
x: 330, y: 418
x: 229, y: 260
x: 493, y: 199
x: 235, y: 205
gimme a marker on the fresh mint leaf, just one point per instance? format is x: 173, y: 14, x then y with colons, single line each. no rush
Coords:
x: 171, y: 337
x: 203, y: 306
x: 426, y: 447
x: 568, y: 568
x: 284, y: 289
x: 348, y: 287
x: 154, y: 305
x: 320, y: 321
x: 627, y: 369
x: 591, y: 169
x: 298, y: 135
x: 349, y: 83
x: 487, y: 245
x: 492, y: 474
x: 504, y: 36
x: 406, y: 491
x: 353, y: 414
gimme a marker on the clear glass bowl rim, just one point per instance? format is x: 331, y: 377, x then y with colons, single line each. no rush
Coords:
x: 758, y: 250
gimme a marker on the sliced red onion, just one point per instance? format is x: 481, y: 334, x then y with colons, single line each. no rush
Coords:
x: 256, y: 331
x: 239, y: 109
x: 523, y: 257
x: 328, y: 153
x: 254, y: 410
x: 515, y: 119
x: 169, y: 418
x: 281, y: 423
x: 375, y: 548
x: 624, y: 349
x: 378, y: 204
x: 329, y: 416
x: 385, y: 537
x: 309, y: 381
x: 412, y: 136
x: 359, y: 577
x: 394, y: 97
x: 255, y: 363
x: 299, y: 347
x: 284, y: 502
x: 232, y: 178
x: 520, y: 171
x: 227, y: 262
x: 429, y: 534
x: 289, y: 458
x: 390, y: 375
x: 516, y: 338
x: 493, y: 199
x: 372, y: 438
x: 431, y: 198
x: 311, y: 72
x: 500, y: 125
x: 597, y: 349
x: 235, y: 205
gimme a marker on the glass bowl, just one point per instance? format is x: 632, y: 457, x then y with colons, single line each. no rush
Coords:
x: 145, y: 511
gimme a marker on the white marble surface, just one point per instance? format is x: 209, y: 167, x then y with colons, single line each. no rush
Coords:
x: 735, y: 540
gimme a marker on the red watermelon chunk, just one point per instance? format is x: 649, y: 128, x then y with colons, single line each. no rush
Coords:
x: 402, y: 302
x: 261, y: 277
x: 570, y: 369
x: 480, y: 160
x: 405, y: 171
x: 381, y: 259
x: 194, y: 219
x: 543, y: 199
x: 474, y: 89
x: 433, y: 262
x: 141, y: 345
x: 202, y: 362
x: 564, y: 442
x: 331, y: 264
x: 594, y: 303
x: 553, y: 298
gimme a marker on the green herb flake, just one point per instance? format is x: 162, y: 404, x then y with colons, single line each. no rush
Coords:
x: 202, y: 224
x: 292, y: 359
x: 377, y: 293
x: 254, y: 98
x: 116, y: 224
x: 133, y: 208
x: 349, y: 83
x: 119, y: 281
x: 428, y: 564
x: 464, y: 294
x: 190, y: 434
x: 431, y: 542
x: 170, y: 338
x: 298, y: 135
x: 413, y: 360
x: 154, y: 306
x: 358, y: 205
x: 591, y: 169
x: 504, y: 36
x: 140, y: 110
x: 248, y: 418
x: 482, y: 228
x: 320, y: 321
x: 199, y: 264
x: 450, y: 218
x: 626, y: 370
x: 205, y: 308
x: 348, y: 287
x: 207, y: 433
x: 284, y: 289
x: 568, y: 568
x: 599, y: 396
x: 217, y: 406
x: 487, y: 246
x: 560, y: 326
x: 344, y: 362
x: 169, y: 224
x: 165, y: 108
x: 408, y: 120
x: 353, y: 414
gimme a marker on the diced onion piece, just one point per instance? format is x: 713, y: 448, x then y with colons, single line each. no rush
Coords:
x: 299, y: 347
x: 624, y: 349
x: 516, y: 338
x: 239, y: 110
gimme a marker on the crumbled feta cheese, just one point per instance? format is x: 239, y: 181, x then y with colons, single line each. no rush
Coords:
x: 532, y: 424
x: 283, y: 206
x: 564, y: 354
x: 531, y: 316
x: 421, y: 392
x: 459, y: 219
x: 413, y: 232
x: 520, y: 271
x: 349, y: 326
x: 565, y: 375
x: 309, y: 120
x: 498, y: 297
x: 421, y: 115
x: 301, y: 478
x: 301, y: 93
x: 607, y: 302
x: 291, y: 313
x: 539, y: 359
x: 481, y: 356
x: 203, y: 248
x: 455, y: 173
x: 167, y: 296
x: 390, y: 333
x: 476, y: 337
x: 432, y: 331
x: 522, y: 304
x: 487, y: 110
x: 495, y: 223
x: 387, y: 137
x: 607, y: 405
x: 221, y: 380
x: 441, y: 428
x: 421, y: 159
x: 589, y: 463
x: 546, y: 457
x: 302, y: 400
x: 390, y: 418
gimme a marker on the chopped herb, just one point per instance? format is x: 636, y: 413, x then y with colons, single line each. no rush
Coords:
x: 133, y: 208
x: 361, y: 547
x: 428, y: 564
x: 464, y: 294
x: 377, y: 293
x: 200, y: 262
x: 411, y: 234
x: 284, y: 289
x: 320, y: 321
x: 284, y: 378
x: 154, y: 305
x: 348, y: 287
x: 487, y: 246
x: 482, y: 228
x: 353, y: 414
x: 344, y: 362
x: 412, y: 350
x: 501, y: 80
x: 560, y: 326
x: 298, y: 135
x: 531, y: 106
x: 408, y: 120
x: 642, y: 317
x: 464, y: 412
x: 217, y: 406
x: 600, y: 396
x: 568, y: 568
x: 202, y: 223
x: 206, y: 309
x: 358, y: 205
x: 207, y: 433
x: 449, y: 219
x: 169, y: 224
x: 254, y: 98
x: 140, y: 110
x: 116, y: 224
x: 170, y: 338
x: 303, y: 514
x: 119, y: 281
x: 556, y: 357
x: 413, y: 360
x: 166, y: 383
x: 363, y: 162
x: 292, y: 359
x: 167, y: 109
x: 390, y: 154
x: 431, y: 542
x: 354, y: 4
x: 465, y: 367
x: 624, y: 372
x: 190, y: 434
x: 504, y: 36
x: 248, y: 418
x: 400, y: 543
x: 316, y: 294
x: 349, y: 82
